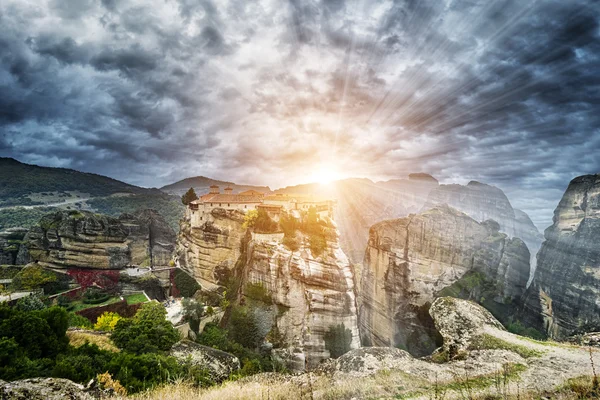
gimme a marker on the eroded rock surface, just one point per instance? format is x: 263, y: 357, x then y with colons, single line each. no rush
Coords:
x: 42, y: 389
x: 10, y: 242
x: 209, y: 252
x: 219, y: 364
x: 566, y: 286
x: 81, y: 239
x: 485, y: 202
x: 411, y: 261
x: 311, y: 295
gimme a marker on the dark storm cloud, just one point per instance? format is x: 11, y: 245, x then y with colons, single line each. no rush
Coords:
x: 505, y: 92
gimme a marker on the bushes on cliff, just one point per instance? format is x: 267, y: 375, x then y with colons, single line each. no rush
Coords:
x: 338, y: 340
x: 185, y: 284
x: 260, y: 221
x: 147, y: 332
x: 33, y: 277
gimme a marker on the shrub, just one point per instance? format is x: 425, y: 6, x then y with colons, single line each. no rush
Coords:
x: 193, y: 311
x: 107, y: 321
x: 106, y: 381
x: 291, y: 243
x: 32, y: 277
x: 94, y: 296
x: 30, y: 303
x: 251, y: 326
x: 318, y: 244
x: 338, y: 340
x: 185, y: 284
x: 147, y: 332
x: 256, y: 291
x: 77, y: 321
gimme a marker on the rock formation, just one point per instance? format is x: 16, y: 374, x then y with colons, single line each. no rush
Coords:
x: 410, y: 261
x: 10, y: 243
x: 312, y: 294
x: 219, y: 364
x: 566, y: 287
x: 43, y: 389
x: 209, y: 253
x: 81, y: 239
x: 482, y: 202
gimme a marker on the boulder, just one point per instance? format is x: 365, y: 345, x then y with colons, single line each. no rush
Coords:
x: 42, y: 389
x: 369, y: 360
x: 218, y: 363
x: 460, y: 321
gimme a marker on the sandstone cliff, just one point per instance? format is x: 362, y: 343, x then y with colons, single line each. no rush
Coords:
x: 412, y: 260
x: 210, y: 252
x: 482, y: 202
x: 81, y: 239
x: 566, y: 287
x: 10, y: 243
x: 312, y: 295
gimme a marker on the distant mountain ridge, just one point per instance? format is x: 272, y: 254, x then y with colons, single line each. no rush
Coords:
x: 201, y: 184
x: 19, y: 180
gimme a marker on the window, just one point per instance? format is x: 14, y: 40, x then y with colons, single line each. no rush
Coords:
x: 228, y: 205
x: 219, y: 204
x: 200, y: 218
x: 245, y: 206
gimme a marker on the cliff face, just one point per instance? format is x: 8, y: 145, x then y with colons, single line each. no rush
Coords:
x: 566, y: 286
x: 312, y: 294
x: 209, y: 252
x: 81, y: 239
x: 482, y: 202
x: 362, y: 203
x: 10, y: 243
x: 412, y: 260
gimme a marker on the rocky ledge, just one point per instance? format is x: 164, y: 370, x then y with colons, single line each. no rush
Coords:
x: 81, y: 239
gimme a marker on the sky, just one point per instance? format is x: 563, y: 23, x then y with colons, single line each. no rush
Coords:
x: 278, y: 93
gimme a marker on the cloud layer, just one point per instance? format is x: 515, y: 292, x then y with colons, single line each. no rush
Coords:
x: 269, y: 92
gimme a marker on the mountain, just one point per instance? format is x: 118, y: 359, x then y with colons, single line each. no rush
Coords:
x: 566, y: 286
x: 441, y: 252
x: 201, y: 185
x: 362, y: 203
x: 482, y: 202
x: 27, y: 192
x: 24, y: 184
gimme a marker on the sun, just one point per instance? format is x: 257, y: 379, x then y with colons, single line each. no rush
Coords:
x: 325, y: 174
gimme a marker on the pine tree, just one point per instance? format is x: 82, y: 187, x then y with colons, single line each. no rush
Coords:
x: 189, y: 196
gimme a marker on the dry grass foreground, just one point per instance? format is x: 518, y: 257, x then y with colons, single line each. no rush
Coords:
x: 80, y: 337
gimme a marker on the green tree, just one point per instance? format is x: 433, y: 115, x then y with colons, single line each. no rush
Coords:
x: 147, y: 332
x: 193, y: 311
x: 189, y: 196
x: 186, y: 285
x: 107, y: 321
x: 250, y: 219
x: 32, y: 277
x: 30, y: 303
x: 338, y: 340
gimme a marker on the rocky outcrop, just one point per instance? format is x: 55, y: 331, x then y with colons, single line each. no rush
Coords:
x: 81, y: 239
x: 219, y: 364
x: 10, y: 243
x: 460, y: 321
x: 362, y: 203
x: 566, y: 287
x: 411, y: 261
x: 311, y: 295
x: 209, y: 252
x: 484, y: 202
x: 42, y: 389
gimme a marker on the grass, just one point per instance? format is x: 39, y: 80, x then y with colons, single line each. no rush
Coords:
x: 79, y: 338
x: 490, y: 342
x: 79, y: 305
x: 136, y: 298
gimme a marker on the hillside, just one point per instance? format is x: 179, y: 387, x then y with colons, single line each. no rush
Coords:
x: 201, y: 184
x: 25, y: 184
x: 29, y: 191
